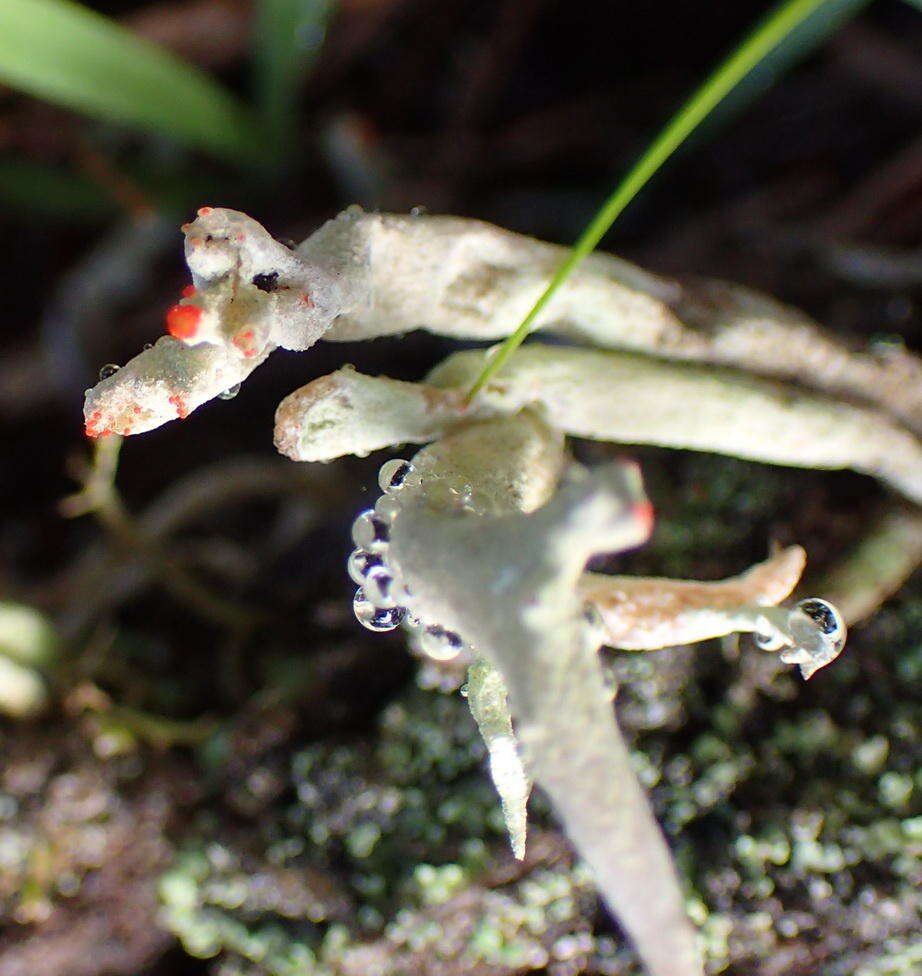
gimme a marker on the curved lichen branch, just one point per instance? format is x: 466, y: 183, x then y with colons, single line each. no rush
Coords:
x: 163, y: 383
x: 362, y: 275
x: 645, y: 614
x: 619, y: 397
x: 348, y: 412
x: 747, y: 330
x: 633, y: 399
x: 639, y: 613
x: 507, y: 583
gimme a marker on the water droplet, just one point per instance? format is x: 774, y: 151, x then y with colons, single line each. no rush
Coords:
x: 464, y: 691
x: 413, y: 620
x: 823, y: 614
x: 769, y: 642
x: 110, y: 369
x: 360, y: 563
x: 230, y: 392
x: 817, y: 626
x: 396, y: 474
x: 387, y: 507
x: 146, y: 346
x: 375, y: 618
x: 419, y: 211
x: 370, y: 531
x: 440, y: 644
x: 379, y: 587
x: 595, y: 625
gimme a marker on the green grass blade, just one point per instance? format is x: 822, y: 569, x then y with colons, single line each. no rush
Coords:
x: 789, y: 19
x: 65, y: 53
x: 287, y: 38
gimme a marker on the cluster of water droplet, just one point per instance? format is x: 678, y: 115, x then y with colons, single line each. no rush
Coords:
x: 382, y: 600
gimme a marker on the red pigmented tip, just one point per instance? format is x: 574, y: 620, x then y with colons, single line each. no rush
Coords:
x: 182, y: 321
x: 204, y: 211
x: 188, y: 291
x: 643, y: 512
x: 179, y: 403
x: 244, y: 342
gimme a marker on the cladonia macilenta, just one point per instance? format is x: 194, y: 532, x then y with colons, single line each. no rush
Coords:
x: 478, y: 543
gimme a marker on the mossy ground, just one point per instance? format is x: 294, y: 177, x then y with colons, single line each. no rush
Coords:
x: 793, y: 809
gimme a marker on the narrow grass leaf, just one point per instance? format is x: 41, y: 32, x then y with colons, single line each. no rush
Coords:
x: 790, y: 19
x: 65, y: 53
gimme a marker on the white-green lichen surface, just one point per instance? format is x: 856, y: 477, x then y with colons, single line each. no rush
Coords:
x: 478, y: 546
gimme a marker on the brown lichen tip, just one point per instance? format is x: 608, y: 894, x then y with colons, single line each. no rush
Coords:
x: 640, y: 613
x: 348, y: 412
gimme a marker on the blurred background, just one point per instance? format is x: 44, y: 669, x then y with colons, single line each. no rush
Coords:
x: 208, y: 766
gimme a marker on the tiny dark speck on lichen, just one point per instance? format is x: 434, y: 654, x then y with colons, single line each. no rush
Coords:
x: 266, y: 282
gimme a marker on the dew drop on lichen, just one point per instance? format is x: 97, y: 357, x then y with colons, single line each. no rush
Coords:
x: 230, y: 392
x: 370, y: 531
x: 396, y: 474
x: 375, y: 618
x: 360, y: 563
x: 595, y: 625
x: 440, y: 644
x: 110, y: 369
x: 768, y: 642
x: 379, y: 587
x: 387, y: 507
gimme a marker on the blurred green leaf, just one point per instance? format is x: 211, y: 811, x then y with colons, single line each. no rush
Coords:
x: 288, y: 35
x: 788, y: 32
x: 65, y: 53
x: 37, y: 189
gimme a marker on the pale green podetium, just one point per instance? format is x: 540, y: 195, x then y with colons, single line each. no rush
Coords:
x: 479, y: 543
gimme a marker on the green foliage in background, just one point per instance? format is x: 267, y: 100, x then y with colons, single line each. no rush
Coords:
x: 70, y: 55
x: 67, y: 54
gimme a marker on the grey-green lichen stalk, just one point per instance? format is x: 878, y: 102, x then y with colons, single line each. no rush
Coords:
x: 474, y: 547
x: 477, y: 556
